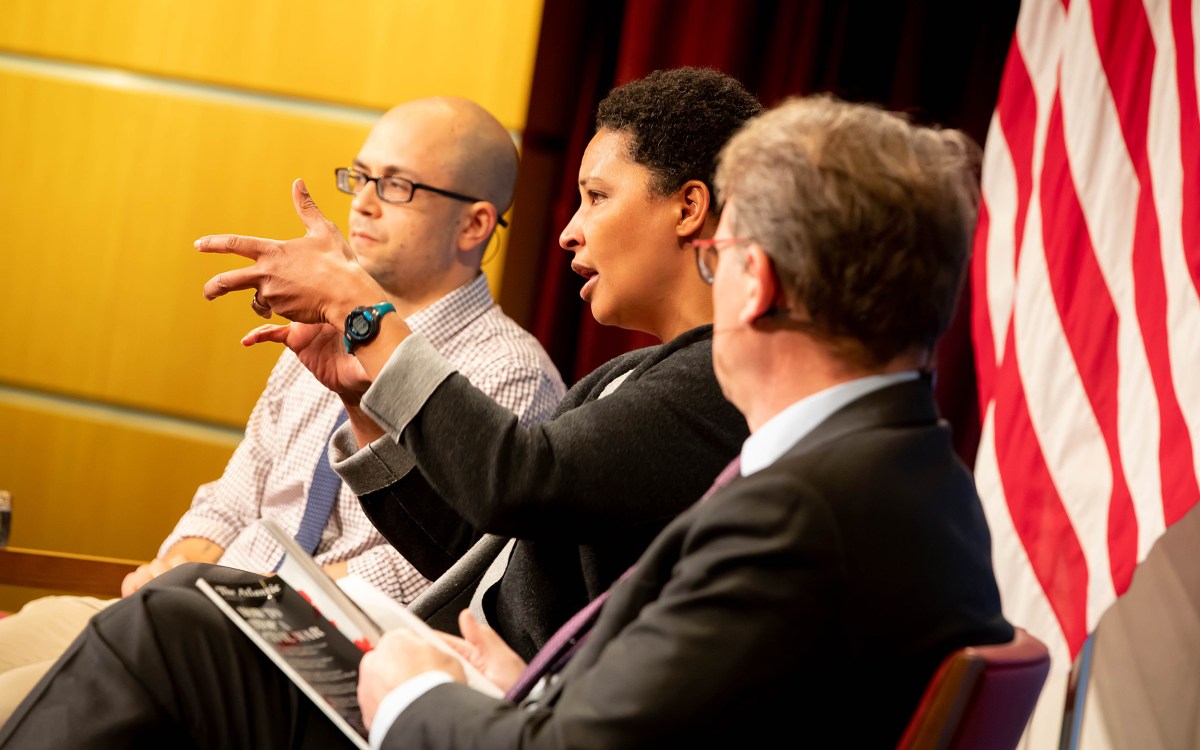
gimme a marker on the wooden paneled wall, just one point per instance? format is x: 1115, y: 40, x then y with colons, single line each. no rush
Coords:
x: 127, y: 129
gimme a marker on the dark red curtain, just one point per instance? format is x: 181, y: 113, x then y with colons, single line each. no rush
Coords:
x: 939, y: 61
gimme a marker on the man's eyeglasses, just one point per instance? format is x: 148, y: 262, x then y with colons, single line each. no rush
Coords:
x: 395, y: 189
x: 707, y: 252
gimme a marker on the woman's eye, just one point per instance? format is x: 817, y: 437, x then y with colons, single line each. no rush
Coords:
x: 594, y: 197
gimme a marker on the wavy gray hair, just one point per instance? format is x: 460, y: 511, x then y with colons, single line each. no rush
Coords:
x: 867, y: 218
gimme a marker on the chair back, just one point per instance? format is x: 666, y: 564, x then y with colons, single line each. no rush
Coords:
x: 981, y: 697
x: 451, y: 592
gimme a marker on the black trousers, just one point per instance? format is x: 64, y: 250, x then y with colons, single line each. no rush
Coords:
x: 164, y: 668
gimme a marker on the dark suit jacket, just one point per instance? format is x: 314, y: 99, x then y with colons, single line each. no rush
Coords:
x: 585, y: 491
x: 810, y: 601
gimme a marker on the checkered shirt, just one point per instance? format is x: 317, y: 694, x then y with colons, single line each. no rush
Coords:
x: 270, y: 471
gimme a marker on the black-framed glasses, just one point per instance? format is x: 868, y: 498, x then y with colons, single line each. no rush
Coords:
x: 707, y: 252
x: 396, y: 189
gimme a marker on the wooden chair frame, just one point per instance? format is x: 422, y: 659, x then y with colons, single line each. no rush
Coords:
x: 60, y: 571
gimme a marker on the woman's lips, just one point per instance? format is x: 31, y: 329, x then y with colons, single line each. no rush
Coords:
x: 586, y: 292
x: 591, y: 275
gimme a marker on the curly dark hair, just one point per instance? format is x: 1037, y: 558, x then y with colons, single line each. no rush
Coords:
x: 678, y: 120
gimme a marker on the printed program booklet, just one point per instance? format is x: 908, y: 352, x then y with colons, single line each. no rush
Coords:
x: 316, y: 629
x: 309, y: 649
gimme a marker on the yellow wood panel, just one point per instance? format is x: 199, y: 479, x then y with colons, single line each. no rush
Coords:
x: 104, y: 192
x: 96, y: 482
x: 372, y: 52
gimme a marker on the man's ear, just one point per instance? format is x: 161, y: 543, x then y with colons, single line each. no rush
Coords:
x: 479, y: 224
x: 762, y: 286
x: 694, y: 202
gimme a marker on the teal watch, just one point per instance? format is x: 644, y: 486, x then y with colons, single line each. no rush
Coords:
x: 362, y: 324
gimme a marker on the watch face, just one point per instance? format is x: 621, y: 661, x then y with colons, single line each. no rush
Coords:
x: 360, y: 325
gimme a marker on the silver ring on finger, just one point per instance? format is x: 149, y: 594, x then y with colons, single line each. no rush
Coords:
x: 263, y: 310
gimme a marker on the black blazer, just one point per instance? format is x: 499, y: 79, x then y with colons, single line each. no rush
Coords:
x: 810, y: 601
x: 585, y: 491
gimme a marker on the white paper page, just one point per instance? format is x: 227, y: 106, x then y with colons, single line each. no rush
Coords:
x: 390, y: 614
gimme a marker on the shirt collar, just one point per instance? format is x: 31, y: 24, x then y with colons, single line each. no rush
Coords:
x: 769, y: 442
x: 442, y: 320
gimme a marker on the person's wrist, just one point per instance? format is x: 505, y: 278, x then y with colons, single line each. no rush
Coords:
x: 362, y: 291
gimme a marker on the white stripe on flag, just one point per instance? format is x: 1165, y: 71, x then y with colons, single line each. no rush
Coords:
x: 1000, y: 195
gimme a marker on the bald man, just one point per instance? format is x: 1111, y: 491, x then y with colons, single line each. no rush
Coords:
x: 429, y: 184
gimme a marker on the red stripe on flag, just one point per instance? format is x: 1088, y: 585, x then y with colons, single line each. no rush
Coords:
x: 981, y: 315
x: 1017, y: 110
x: 1037, y: 512
x: 1189, y: 132
x: 1089, y: 320
x: 1127, y: 53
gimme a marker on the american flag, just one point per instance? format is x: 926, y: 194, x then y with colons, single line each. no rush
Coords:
x: 1086, y: 313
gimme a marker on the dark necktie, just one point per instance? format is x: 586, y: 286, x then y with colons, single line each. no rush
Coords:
x: 322, y: 494
x: 553, y: 656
